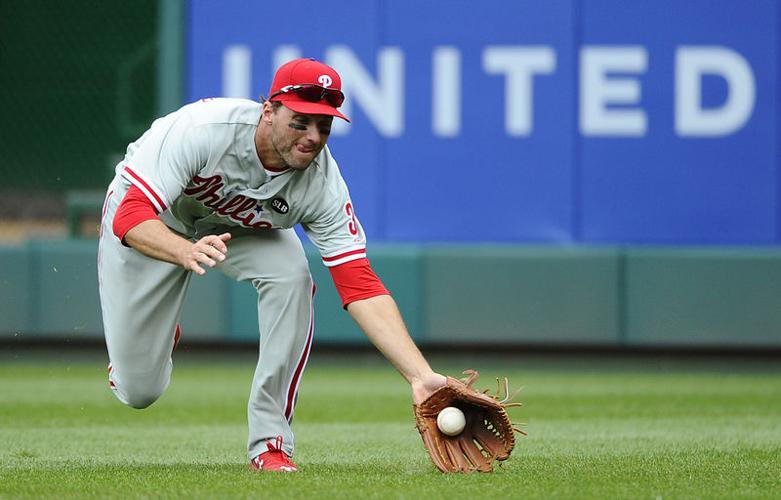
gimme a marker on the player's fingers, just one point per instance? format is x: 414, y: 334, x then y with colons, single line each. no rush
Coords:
x: 203, y: 258
x: 215, y: 242
x: 225, y: 236
x: 194, y: 267
x: 213, y: 252
x: 210, y: 245
x: 220, y: 245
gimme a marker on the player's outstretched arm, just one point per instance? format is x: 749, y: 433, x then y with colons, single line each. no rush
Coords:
x: 154, y: 239
x: 381, y: 321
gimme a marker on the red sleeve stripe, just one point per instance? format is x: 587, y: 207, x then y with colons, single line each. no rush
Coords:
x: 341, y: 258
x: 346, y: 257
x: 146, y: 188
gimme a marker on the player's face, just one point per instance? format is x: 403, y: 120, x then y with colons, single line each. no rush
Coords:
x: 297, y: 138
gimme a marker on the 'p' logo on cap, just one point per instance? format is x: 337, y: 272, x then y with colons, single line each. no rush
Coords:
x: 325, y: 80
x: 308, y: 86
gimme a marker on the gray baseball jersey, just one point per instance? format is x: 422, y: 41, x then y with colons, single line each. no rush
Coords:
x: 200, y: 169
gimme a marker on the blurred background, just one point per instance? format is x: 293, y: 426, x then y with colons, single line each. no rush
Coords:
x: 530, y: 174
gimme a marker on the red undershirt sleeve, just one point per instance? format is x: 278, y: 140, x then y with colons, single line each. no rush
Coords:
x: 134, y: 209
x: 355, y: 280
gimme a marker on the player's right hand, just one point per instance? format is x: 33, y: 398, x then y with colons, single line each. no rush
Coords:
x: 424, y: 387
x: 208, y: 251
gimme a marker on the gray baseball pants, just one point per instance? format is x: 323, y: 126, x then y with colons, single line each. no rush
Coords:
x: 142, y: 298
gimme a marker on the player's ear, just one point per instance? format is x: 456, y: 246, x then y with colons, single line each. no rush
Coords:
x: 267, y: 111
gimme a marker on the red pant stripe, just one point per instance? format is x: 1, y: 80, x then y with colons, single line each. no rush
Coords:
x: 293, y: 389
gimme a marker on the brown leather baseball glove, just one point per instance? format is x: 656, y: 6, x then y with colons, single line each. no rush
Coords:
x: 488, y: 435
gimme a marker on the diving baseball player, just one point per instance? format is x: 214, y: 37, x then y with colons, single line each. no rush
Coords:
x: 220, y: 184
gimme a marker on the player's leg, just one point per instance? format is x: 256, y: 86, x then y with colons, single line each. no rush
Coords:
x: 141, y: 300
x: 275, y: 264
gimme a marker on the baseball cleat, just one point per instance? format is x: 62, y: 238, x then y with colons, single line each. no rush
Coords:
x: 274, y: 459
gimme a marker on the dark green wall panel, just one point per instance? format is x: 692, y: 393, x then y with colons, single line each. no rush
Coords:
x: 510, y: 294
x: 15, y: 299
x: 705, y: 297
x: 450, y: 295
x: 64, y: 284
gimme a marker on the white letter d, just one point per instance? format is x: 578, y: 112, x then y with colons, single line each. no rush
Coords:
x: 691, y: 119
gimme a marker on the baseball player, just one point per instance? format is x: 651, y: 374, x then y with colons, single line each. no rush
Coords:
x: 220, y: 184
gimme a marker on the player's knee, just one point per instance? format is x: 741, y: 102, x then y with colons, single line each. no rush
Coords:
x: 141, y: 400
x: 139, y: 394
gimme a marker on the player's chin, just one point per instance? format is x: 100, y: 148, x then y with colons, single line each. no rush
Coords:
x: 300, y: 161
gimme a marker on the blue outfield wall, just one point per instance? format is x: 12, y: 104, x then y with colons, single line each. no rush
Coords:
x: 450, y: 295
x: 596, y: 172
x: 595, y: 122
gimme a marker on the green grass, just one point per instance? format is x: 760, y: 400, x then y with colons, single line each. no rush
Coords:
x: 640, y: 428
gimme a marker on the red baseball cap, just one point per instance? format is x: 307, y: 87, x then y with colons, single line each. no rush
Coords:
x: 308, y: 86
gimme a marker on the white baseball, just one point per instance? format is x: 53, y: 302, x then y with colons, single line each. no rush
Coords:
x: 451, y: 421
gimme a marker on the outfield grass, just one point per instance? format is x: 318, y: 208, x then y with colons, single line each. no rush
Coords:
x: 597, y: 429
